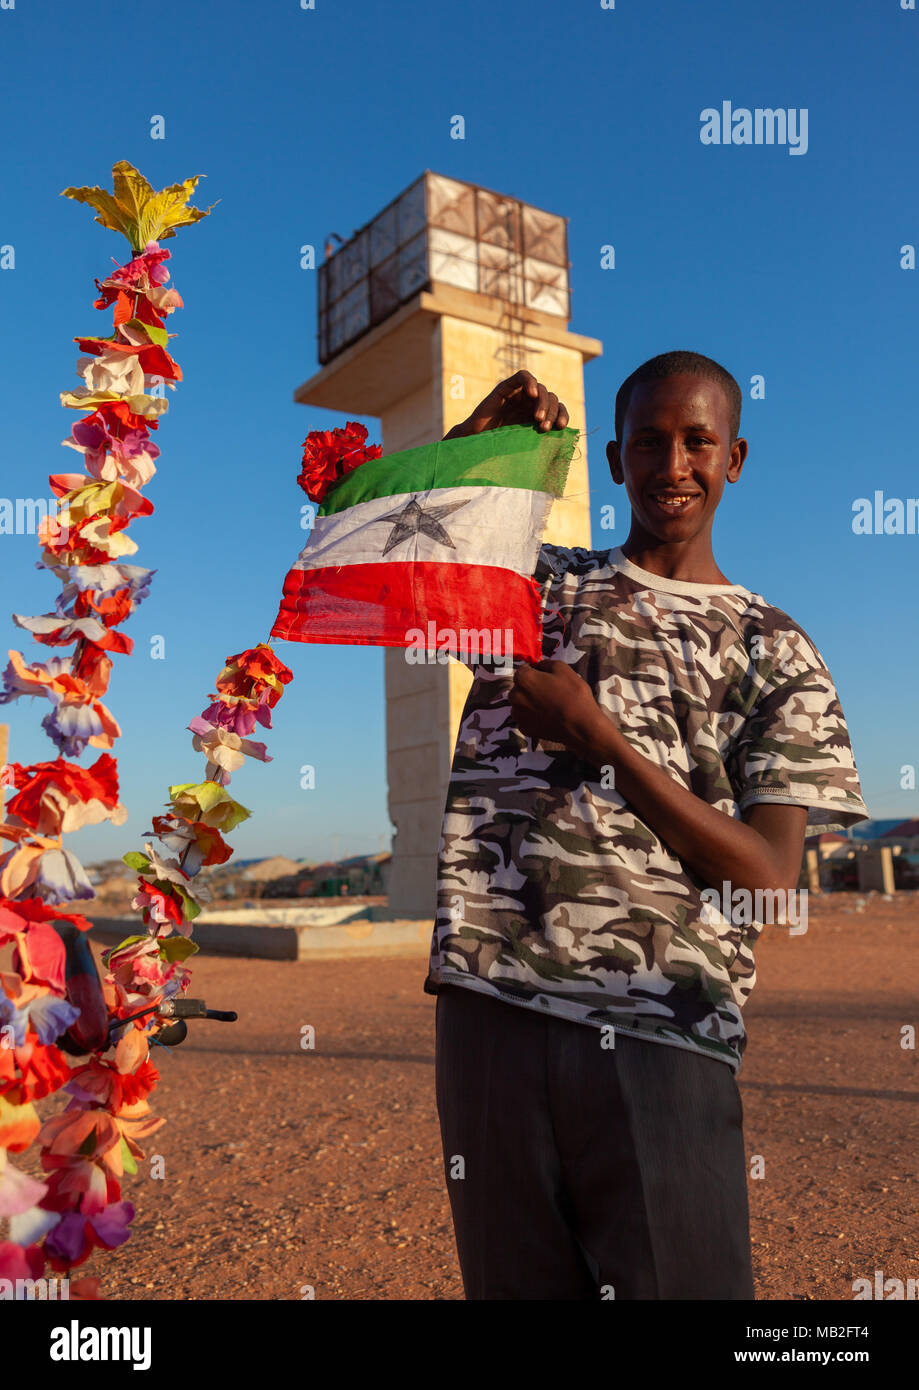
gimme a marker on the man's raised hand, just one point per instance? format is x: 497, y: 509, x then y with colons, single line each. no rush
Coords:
x: 520, y: 400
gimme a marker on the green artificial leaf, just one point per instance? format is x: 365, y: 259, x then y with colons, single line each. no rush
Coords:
x: 127, y: 1158
x: 149, y: 330
x: 192, y: 907
x: 177, y: 948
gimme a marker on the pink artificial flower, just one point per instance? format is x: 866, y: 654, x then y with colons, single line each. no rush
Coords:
x: 223, y: 748
x: 18, y: 1191
x: 108, y: 456
x: 75, y: 1236
x: 227, y: 711
x: 138, y: 971
x: 20, y: 1262
x: 237, y: 717
x: 159, y: 907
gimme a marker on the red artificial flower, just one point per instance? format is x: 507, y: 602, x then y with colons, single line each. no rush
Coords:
x: 21, y: 1262
x: 148, y: 313
x: 32, y: 1071
x: 125, y: 502
x: 113, y: 419
x: 62, y: 636
x: 208, y: 839
x: 115, y: 294
x: 66, y: 545
x: 145, y: 266
x: 84, y: 1290
x: 154, y: 359
x: 239, y: 685
x: 122, y: 285
x: 108, y: 1086
x: 93, y: 668
x: 255, y: 674
x: 160, y: 903
x: 110, y: 608
x: 39, y: 954
x: 40, y: 957
x: 262, y: 661
x: 328, y: 455
x: 72, y: 1175
x: 48, y: 790
x: 31, y: 910
x: 115, y: 413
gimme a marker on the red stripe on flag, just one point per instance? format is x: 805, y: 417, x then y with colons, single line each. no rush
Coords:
x: 378, y: 605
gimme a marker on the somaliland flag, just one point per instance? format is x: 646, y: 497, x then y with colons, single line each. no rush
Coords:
x: 422, y: 546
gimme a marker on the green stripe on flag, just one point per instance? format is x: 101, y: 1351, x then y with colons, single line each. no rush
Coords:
x: 512, y: 456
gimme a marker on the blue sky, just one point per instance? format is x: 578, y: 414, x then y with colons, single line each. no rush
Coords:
x: 310, y: 121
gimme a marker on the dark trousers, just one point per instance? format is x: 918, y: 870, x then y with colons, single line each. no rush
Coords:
x: 581, y: 1172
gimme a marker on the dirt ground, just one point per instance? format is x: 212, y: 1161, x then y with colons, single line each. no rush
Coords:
x: 288, y: 1167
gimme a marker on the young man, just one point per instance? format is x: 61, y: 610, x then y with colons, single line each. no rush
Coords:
x: 679, y: 735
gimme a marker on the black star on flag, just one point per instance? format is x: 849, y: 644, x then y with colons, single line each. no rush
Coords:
x: 413, y: 520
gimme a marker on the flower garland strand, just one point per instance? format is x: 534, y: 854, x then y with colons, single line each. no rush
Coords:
x: 59, y: 1032
x: 88, y: 1147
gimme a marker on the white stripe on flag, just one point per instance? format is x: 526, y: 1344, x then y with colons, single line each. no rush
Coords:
x: 494, y: 526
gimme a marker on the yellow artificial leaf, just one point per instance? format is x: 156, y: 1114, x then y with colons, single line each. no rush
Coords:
x: 83, y: 399
x: 136, y: 210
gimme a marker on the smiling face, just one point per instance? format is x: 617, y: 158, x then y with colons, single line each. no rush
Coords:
x: 674, y: 458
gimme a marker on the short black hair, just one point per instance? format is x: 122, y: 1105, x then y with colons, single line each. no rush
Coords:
x: 680, y: 364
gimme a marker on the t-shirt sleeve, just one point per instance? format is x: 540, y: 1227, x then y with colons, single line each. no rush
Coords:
x: 794, y: 747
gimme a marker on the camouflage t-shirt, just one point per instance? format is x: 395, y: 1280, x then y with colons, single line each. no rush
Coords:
x: 552, y: 891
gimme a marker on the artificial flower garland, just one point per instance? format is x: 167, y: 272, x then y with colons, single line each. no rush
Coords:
x: 106, y: 1070
x: 108, y: 1075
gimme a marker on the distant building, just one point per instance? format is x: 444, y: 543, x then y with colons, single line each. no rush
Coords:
x: 849, y: 862
x: 873, y: 829
x: 906, y: 830
x: 827, y: 843
x: 361, y: 875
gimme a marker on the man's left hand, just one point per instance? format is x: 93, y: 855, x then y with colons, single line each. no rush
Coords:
x: 551, y: 701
